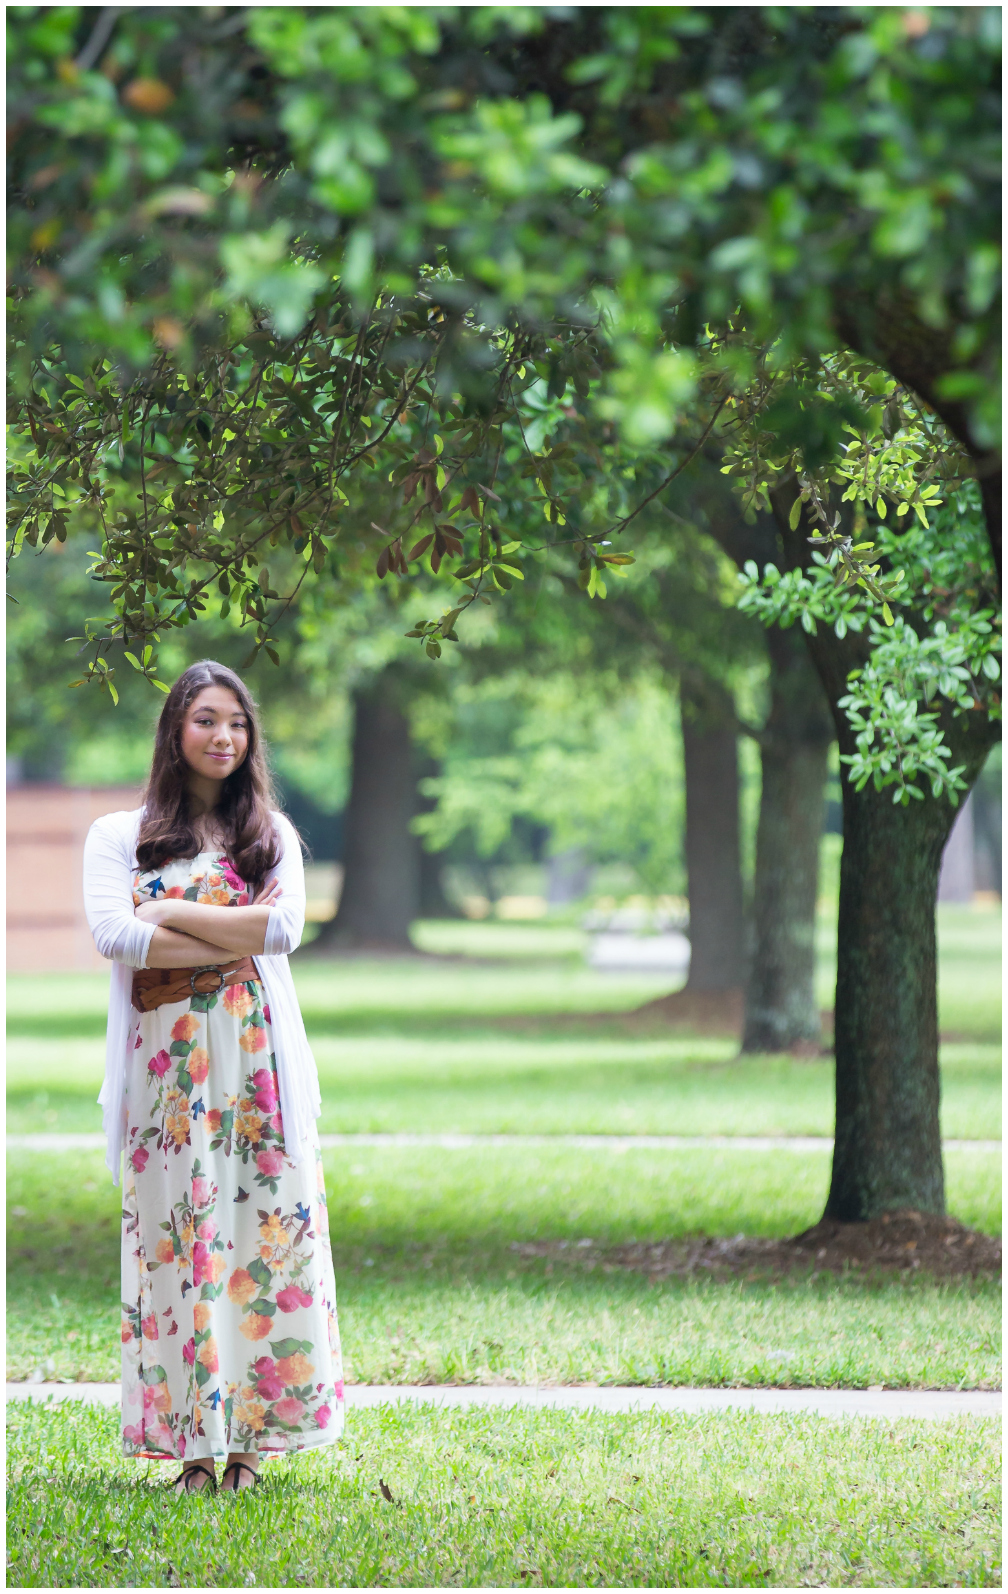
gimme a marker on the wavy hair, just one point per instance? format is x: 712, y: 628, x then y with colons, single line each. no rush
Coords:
x: 245, y: 810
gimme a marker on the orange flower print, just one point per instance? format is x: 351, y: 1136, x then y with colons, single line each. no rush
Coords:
x: 198, y: 1065
x: 177, y: 1117
x: 125, y: 1331
x: 248, y: 1124
x: 273, y: 1231
x: 175, y: 892
x: 164, y: 1250
x: 149, y: 1326
x: 213, y: 1268
x: 161, y: 1398
x: 185, y: 1028
x: 241, y: 1286
x: 238, y: 1001
x: 296, y: 1369
x: 252, y: 1039
x: 201, y: 1316
x: 207, y: 1354
x: 251, y: 1412
x: 256, y: 1326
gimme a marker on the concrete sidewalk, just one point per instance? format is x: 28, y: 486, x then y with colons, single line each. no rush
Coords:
x: 461, y: 1142
x: 885, y: 1403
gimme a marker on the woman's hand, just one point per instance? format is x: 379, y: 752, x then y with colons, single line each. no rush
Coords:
x: 270, y: 893
x: 151, y: 912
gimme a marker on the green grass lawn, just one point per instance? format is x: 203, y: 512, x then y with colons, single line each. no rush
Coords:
x: 432, y: 1289
x: 506, y: 1029
x: 425, y: 1044
x: 520, y: 1499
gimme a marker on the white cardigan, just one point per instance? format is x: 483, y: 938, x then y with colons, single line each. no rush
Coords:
x: 109, y: 868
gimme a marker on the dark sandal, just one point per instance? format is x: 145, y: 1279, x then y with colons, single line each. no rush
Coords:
x: 187, y: 1473
x: 236, y: 1467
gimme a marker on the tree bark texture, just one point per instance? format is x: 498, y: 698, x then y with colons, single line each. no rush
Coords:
x: 887, y: 1152
x: 381, y: 884
x: 781, y: 1008
x: 713, y: 862
x: 433, y: 904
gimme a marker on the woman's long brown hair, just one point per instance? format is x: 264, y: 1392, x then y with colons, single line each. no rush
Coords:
x: 246, y: 802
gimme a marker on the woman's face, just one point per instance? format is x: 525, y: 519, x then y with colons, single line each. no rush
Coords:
x: 215, y: 734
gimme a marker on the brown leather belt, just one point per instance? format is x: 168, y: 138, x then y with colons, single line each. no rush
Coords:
x: 155, y: 987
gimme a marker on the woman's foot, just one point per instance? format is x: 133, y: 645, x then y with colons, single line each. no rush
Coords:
x: 241, y: 1472
x: 195, y: 1477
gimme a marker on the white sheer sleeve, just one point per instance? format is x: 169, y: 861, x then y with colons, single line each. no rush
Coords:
x: 285, y: 925
x: 108, y: 894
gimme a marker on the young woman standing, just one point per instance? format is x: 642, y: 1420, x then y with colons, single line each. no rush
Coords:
x: 230, y: 1344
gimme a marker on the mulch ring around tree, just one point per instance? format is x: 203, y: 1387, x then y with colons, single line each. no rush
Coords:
x: 897, y: 1242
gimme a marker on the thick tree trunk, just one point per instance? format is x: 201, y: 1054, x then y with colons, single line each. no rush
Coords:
x: 888, y: 1136
x: 433, y: 904
x: 781, y: 1009
x: 887, y: 1152
x: 381, y: 885
x: 713, y: 863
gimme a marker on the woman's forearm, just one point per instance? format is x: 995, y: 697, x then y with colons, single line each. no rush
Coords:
x: 235, y: 929
x: 170, y: 949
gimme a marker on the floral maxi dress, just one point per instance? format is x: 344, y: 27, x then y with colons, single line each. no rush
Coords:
x: 229, y: 1333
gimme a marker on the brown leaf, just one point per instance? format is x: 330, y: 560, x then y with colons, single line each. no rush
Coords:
x: 381, y: 568
x: 420, y: 547
x: 386, y: 1491
x: 410, y: 486
x: 435, y: 560
x: 488, y: 493
x: 470, y: 500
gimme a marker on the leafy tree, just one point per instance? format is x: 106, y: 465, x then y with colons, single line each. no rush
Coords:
x: 668, y: 215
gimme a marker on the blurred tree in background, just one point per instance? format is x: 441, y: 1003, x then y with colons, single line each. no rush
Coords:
x: 380, y: 291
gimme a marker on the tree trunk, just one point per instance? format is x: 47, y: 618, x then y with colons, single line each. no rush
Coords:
x: 887, y: 1152
x: 713, y: 863
x: 381, y: 883
x: 781, y: 1009
x: 433, y: 904
x: 888, y: 1137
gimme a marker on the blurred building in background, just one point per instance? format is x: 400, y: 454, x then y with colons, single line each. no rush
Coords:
x: 46, y: 828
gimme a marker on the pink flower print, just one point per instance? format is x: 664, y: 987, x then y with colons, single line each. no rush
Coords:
x: 262, y: 1079
x: 289, y: 1410
x: 322, y: 1416
x: 290, y: 1299
x: 160, y: 1064
x: 207, y: 1230
x: 241, y: 900
x: 263, y: 1365
x: 133, y: 1433
x: 200, y: 1191
x: 139, y: 1159
x: 200, y: 1258
x: 339, y: 1388
x: 234, y: 880
x: 149, y: 1326
x: 188, y: 1355
x: 270, y: 1387
x: 266, y: 1101
x: 157, y: 1398
x: 266, y: 1014
x: 269, y: 1162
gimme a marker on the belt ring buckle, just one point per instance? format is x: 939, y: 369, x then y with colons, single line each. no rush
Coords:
x: 208, y: 968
